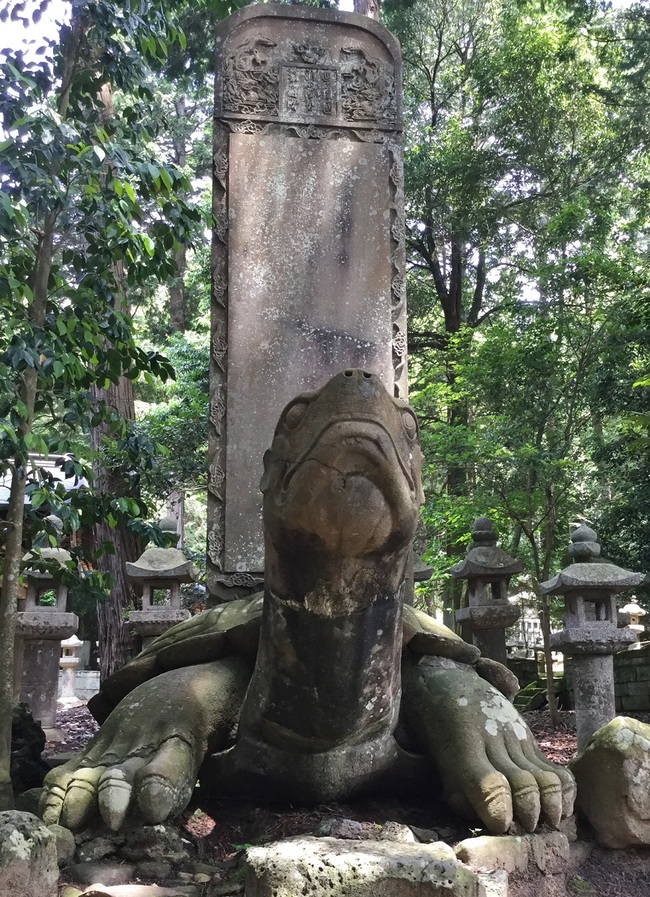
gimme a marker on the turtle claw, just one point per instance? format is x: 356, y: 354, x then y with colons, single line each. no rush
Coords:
x: 165, y: 786
x: 489, y: 763
x: 115, y: 790
x: 148, y: 751
x: 80, y: 802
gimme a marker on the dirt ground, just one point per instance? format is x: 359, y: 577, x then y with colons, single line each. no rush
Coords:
x: 221, y: 830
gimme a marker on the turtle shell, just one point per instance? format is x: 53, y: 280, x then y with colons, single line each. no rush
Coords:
x: 424, y: 635
x: 231, y: 628
x: 234, y: 628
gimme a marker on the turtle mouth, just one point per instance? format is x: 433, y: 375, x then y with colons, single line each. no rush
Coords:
x: 364, y: 438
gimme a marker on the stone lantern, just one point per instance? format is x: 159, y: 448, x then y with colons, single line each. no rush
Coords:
x: 68, y: 663
x: 488, y: 570
x: 590, y: 635
x: 39, y: 631
x: 160, y: 569
x: 634, y: 612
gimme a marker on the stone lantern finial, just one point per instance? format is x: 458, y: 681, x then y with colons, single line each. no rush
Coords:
x: 584, y: 547
x: 483, y: 532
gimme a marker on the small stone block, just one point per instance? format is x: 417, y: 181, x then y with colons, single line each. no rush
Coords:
x: 547, y: 853
x: 326, y: 866
x: 634, y: 703
x: 495, y: 883
x: 28, y: 865
x: 627, y: 673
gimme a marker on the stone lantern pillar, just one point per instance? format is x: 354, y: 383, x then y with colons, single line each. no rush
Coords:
x: 590, y: 635
x: 39, y: 630
x: 160, y: 569
x: 488, y: 571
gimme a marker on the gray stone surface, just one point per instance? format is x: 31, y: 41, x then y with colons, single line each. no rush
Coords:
x: 613, y: 777
x: 309, y: 294
x: 321, y: 867
x: 65, y: 844
x: 308, y: 263
x: 488, y: 570
x: 516, y: 854
x: 593, y: 688
x: 108, y: 872
x: 28, y: 864
x: 155, y: 842
x: 40, y: 632
x: 133, y: 890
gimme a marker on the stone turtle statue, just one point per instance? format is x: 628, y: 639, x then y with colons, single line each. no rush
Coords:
x: 327, y: 686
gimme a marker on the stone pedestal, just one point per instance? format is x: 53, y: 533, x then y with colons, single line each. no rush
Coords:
x: 591, y: 636
x: 40, y: 628
x: 40, y: 633
x: 488, y: 570
x: 151, y: 622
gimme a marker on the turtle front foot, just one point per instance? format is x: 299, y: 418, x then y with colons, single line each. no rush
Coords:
x: 143, y: 762
x: 489, y: 762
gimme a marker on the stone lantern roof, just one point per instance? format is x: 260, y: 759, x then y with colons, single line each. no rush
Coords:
x: 485, y: 559
x: 40, y: 581
x: 162, y: 564
x: 586, y: 571
x: 160, y: 569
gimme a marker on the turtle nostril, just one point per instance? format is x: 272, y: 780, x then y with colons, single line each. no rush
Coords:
x: 367, y: 375
x: 348, y: 373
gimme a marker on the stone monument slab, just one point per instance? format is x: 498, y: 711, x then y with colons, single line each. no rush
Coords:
x: 308, y: 249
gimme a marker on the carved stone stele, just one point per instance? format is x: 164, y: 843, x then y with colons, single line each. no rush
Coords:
x: 308, y: 246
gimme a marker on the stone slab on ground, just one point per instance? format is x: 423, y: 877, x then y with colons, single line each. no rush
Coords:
x: 320, y: 867
x: 107, y: 872
x: 140, y: 891
x: 547, y: 853
x: 28, y: 858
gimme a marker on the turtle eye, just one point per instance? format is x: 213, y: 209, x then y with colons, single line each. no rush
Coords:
x: 410, y: 424
x: 295, y: 414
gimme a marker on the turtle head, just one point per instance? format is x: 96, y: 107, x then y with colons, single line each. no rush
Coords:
x: 342, y: 476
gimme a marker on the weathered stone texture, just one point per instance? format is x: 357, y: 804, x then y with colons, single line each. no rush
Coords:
x: 321, y: 867
x: 520, y: 855
x: 28, y: 858
x: 308, y: 261
x: 310, y: 271
x: 613, y: 778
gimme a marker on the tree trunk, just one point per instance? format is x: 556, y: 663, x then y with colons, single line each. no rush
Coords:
x: 177, y: 291
x: 549, y: 538
x: 545, y: 616
x: 15, y: 520
x: 116, y: 647
x: 8, y: 609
